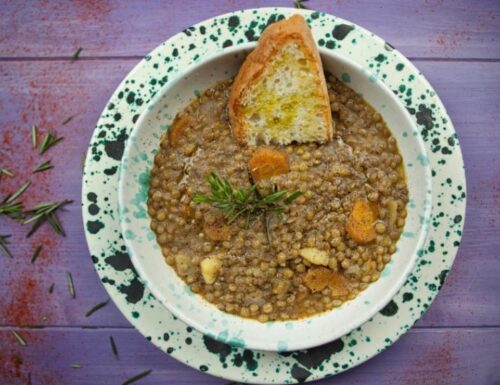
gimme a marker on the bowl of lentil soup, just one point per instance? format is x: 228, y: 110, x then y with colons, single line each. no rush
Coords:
x: 234, y: 282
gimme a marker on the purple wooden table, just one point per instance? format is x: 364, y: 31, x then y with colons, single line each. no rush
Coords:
x: 456, y: 44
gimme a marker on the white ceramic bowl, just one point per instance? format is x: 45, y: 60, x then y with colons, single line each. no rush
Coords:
x: 192, y: 309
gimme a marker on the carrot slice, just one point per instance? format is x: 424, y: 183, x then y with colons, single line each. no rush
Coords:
x: 267, y: 162
x: 361, y: 221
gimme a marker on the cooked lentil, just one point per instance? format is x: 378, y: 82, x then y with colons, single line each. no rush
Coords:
x: 245, y: 275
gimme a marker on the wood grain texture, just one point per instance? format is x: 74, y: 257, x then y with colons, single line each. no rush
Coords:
x: 44, y: 93
x: 422, y: 28
x: 421, y: 357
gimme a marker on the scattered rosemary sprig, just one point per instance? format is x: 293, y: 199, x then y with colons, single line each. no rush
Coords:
x: 11, y: 209
x: 12, y: 197
x: 71, y: 285
x: 29, y: 378
x: 113, y: 347
x: 233, y: 203
x: 299, y: 5
x: 19, y: 339
x: 49, y: 141
x: 34, y: 135
x: 6, y: 172
x: 36, y: 254
x: 76, y: 54
x: 96, y: 307
x: 137, y: 377
x: 46, y: 212
x: 3, y: 245
x: 51, y: 288
x: 67, y: 120
x: 76, y: 366
x: 47, y: 165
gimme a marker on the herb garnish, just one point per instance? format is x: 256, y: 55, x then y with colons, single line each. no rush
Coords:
x: 11, y: 209
x: 138, y: 377
x: 233, y: 203
x: 113, y: 347
x: 49, y: 141
x: 3, y: 245
x: 51, y: 288
x: 71, y: 286
x: 36, y: 254
x: 299, y: 5
x: 67, y: 120
x: 6, y: 172
x: 76, y: 366
x: 19, y: 339
x: 76, y: 54
x: 96, y: 307
x: 43, y: 166
x: 34, y: 135
x: 46, y: 212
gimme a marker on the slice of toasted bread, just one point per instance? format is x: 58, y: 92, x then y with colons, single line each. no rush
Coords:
x: 280, y: 94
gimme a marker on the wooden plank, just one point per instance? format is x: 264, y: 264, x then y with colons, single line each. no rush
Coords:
x: 422, y: 356
x: 46, y: 93
x: 423, y: 28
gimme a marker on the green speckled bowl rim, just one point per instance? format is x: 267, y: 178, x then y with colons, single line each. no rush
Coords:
x: 105, y: 241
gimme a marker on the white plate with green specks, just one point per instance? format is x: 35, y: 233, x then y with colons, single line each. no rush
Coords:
x: 152, y: 319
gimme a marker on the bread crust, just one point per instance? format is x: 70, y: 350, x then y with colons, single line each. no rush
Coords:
x: 272, y: 39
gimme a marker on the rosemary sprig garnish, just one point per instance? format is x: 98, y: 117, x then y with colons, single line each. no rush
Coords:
x: 96, y: 307
x: 11, y: 209
x: 67, y: 120
x: 19, y: 339
x: 6, y: 172
x: 76, y: 366
x: 3, y: 245
x: 34, y: 135
x: 36, y: 254
x: 49, y: 141
x: 51, y: 288
x: 76, y: 54
x: 137, y: 377
x: 113, y: 347
x: 43, y: 166
x: 46, y: 212
x: 71, y: 285
x: 299, y: 5
x: 233, y: 203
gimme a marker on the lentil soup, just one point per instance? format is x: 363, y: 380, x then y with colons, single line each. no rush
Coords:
x: 328, y: 245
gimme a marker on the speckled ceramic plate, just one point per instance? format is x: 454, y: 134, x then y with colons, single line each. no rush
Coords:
x: 109, y: 253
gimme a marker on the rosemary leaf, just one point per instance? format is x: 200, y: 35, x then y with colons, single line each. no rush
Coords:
x: 71, y: 286
x: 12, y: 197
x: 49, y: 141
x: 3, y: 245
x: 76, y: 366
x: 34, y: 135
x: 67, y: 120
x: 76, y: 55
x: 43, y: 166
x: 96, y: 307
x: 6, y: 172
x: 51, y: 288
x: 113, y: 347
x: 299, y: 5
x: 29, y: 378
x: 137, y: 377
x: 36, y: 254
x: 19, y: 339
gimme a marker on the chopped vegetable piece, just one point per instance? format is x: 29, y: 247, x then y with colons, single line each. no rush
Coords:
x: 315, y: 256
x: 267, y: 162
x: 210, y: 268
x: 361, y: 222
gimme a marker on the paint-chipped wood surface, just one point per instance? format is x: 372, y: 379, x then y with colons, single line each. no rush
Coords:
x: 456, y: 44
